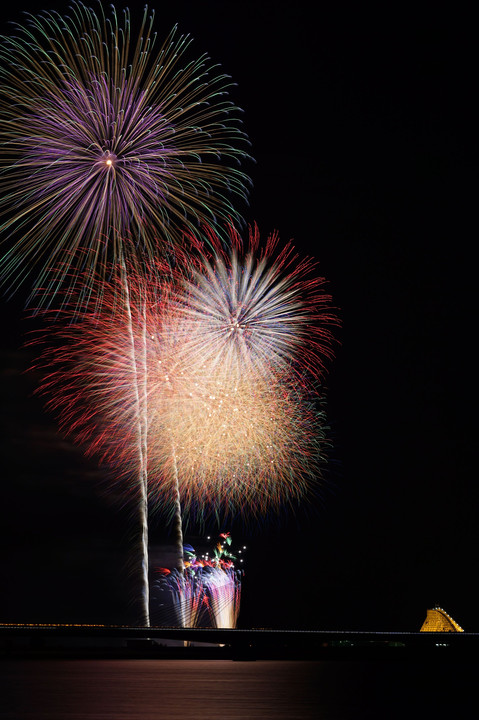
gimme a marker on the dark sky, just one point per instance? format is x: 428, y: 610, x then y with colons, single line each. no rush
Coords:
x: 363, y: 128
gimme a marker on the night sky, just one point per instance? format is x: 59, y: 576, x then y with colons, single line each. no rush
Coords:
x: 364, y: 132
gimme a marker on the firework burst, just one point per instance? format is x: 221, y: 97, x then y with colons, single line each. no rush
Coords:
x: 255, y: 309
x: 107, y: 135
x: 225, y: 432
x: 236, y: 446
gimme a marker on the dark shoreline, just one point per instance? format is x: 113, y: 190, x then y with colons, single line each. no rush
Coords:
x: 30, y: 642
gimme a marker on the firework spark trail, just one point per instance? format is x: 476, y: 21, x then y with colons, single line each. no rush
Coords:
x: 97, y: 378
x: 177, y: 518
x: 140, y: 428
x: 107, y: 136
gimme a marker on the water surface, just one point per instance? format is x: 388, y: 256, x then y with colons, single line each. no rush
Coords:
x: 224, y: 690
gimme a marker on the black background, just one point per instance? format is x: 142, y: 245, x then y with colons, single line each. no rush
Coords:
x: 364, y: 132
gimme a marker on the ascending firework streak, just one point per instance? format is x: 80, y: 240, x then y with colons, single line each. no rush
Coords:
x: 101, y: 406
x: 106, y: 137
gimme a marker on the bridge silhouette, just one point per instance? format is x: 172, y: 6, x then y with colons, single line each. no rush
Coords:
x: 254, y: 642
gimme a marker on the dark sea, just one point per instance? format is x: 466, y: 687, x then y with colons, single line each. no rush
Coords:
x: 223, y: 689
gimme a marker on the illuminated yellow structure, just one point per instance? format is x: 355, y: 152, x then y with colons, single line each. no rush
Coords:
x: 437, y: 620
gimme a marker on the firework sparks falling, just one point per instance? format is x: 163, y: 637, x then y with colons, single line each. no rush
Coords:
x: 104, y: 135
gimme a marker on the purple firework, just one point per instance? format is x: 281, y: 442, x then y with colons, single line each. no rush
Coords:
x: 111, y: 144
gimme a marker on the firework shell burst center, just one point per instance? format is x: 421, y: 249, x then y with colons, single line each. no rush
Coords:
x: 255, y: 308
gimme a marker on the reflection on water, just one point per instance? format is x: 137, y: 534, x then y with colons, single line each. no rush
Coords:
x: 223, y: 689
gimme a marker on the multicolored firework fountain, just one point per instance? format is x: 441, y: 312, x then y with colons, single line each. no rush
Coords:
x: 208, y: 593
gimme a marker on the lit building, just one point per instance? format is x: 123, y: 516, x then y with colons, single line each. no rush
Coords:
x: 437, y: 620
